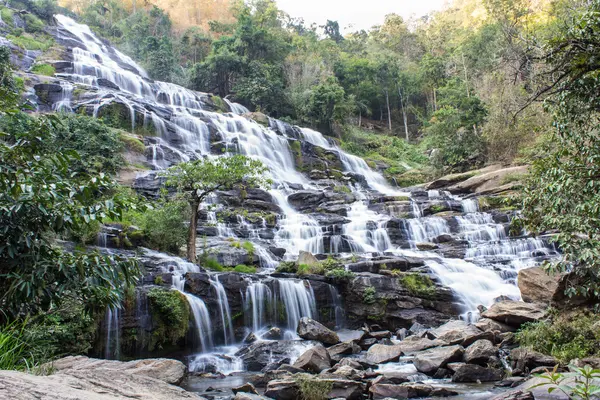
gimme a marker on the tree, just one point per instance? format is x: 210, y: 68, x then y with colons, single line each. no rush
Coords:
x: 563, y: 193
x: 332, y: 31
x: 41, y: 199
x: 199, y: 179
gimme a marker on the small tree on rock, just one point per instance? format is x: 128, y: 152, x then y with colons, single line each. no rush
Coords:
x: 200, y: 178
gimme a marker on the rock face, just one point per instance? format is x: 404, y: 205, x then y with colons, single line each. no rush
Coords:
x: 314, y: 360
x: 431, y: 360
x: 90, y: 379
x: 310, y: 329
x: 537, y: 286
x: 515, y: 313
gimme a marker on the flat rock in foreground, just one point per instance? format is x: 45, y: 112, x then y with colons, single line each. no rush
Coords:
x: 78, y: 379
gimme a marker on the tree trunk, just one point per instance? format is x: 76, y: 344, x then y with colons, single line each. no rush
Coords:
x: 387, y: 101
x: 434, y: 101
x: 359, y: 118
x: 191, y: 244
x: 404, y: 116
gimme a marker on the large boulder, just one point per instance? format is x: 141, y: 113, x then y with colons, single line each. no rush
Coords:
x: 289, y: 389
x: 310, y: 329
x: 489, y: 182
x: 407, y: 391
x: 524, y: 360
x: 336, y: 351
x: 489, y: 325
x: 314, y: 360
x: 260, y: 354
x: 515, y: 313
x: 457, y: 332
x: 89, y: 379
x: 414, y: 344
x: 380, y: 353
x: 307, y: 258
x: 537, y: 286
x: 431, y: 360
x: 476, y: 373
x: 480, y: 352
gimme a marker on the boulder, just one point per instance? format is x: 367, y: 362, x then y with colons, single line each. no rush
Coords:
x: 431, y: 360
x: 310, y: 329
x: 347, y: 335
x: 349, y: 362
x: 489, y: 182
x: 489, y: 325
x: 456, y: 332
x: 245, y: 388
x: 90, y: 379
x: 476, y: 373
x: 342, y: 349
x: 273, y: 334
x: 515, y: 395
x: 515, y: 313
x: 414, y: 344
x: 537, y: 286
x: 407, y: 391
x: 524, y: 360
x: 307, y: 258
x: 261, y: 354
x: 249, y: 396
x: 480, y: 352
x: 381, y: 335
x: 314, y: 360
x: 380, y: 353
x: 347, y: 372
x: 340, y: 388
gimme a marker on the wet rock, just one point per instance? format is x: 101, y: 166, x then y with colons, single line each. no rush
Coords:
x: 427, y: 246
x: 431, y: 360
x: 347, y: 372
x: 456, y: 332
x: 283, y: 390
x: 380, y: 353
x: 515, y: 313
x: 273, y: 334
x: 258, y: 355
x: 515, y: 395
x: 476, y: 373
x: 314, y: 360
x: 414, y: 344
x: 107, y: 84
x: 352, y: 363
x: 537, y: 286
x: 310, y: 329
x: 480, y: 352
x: 249, y: 396
x: 347, y: 335
x: 245, y: 388
x: 381, y: 335
x: 343, y: 349
x: 289, y: 389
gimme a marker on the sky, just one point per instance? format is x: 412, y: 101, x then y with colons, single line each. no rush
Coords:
x: 359, y: 14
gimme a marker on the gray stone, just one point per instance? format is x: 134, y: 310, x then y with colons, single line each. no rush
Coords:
x: 489, y: 325
x: 314, y: 360
x: 537, y: 286
x: 456, y: 332
x: 245, y: 388
x: 310, y: 329
x: 476, y: 373
x: 515, y: 313
x: 480, y: 352
x: 431, y: 360
x: 380, y: 353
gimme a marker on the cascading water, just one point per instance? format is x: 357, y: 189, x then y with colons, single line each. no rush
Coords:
x: 112, y: 346
x: 224, y: 310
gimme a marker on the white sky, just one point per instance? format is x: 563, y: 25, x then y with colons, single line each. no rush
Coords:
x: 359, y: 14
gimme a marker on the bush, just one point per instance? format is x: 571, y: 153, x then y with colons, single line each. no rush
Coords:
x: 171, y: 316
x: 369, y: 295
x: 288, y: 267
x: 14, y: 349
x: 313, y: 388
x: 418, y: 285
x: 212, y: 264
x: 132, y: 143
x: 43, y: 69
x: 340, y: 274
x: 305, y: 269
x: 566, y: 337
x: 330, y: 264
x: 245, y: 269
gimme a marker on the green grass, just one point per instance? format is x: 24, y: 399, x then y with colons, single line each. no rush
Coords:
x: 342, y: 189
x: 30, y: 42
x: 340, y: 274
x: 245, y: 269
x: 132, y: 143
x: 212, y: 264
x: 43, y: 69
x: 304, y: 269
x: 14, y: 349
x: 7, y: 16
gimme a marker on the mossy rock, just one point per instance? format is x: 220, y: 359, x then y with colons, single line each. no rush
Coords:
x: 259, y: 118
x: 171, y: 314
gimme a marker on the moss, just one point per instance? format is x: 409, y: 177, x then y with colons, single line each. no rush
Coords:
x: 296, y: 148
x: 33, y: 24
x: 437, y: 209
x: 342, y: 189
x: 220, y: 104
x: 158, y: 280
x: 43, y: 69
x: 340, y: 274
x: 245, y: 269
x: 132, y: 143
x: 287, y: 267
x: 305, y: 269
x: 27, y: 41
x: 312, y: 388
x: 171, y: 316
x: 418, y: 285
x: 412, y: 178
x: 7, y: 16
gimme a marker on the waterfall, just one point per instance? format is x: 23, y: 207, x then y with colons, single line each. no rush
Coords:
x: 470, y: 205
x: 112, y: 346
x: 299, y: 301
x: 340, y: 315
x: 64, y: 102
x: 201, y: 321
x: 228, y: 337
x: 259, y: 300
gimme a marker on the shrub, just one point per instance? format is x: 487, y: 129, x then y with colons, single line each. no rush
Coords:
x: 566, y: 337
x: 43, y: 69
x: 287, y: 267
x: 14, y: 348
x: 245, y: 269
x: 330, y: 264
x: 313, y: 388
x: 340, y: 274
x: 369, y: 295
x: 27, y: 41
x: 249, y: 247
x: 305, y: 269
x: 211, y: 263
x: 132, y: 143
x: 171, y: 316
x: 418, y: 284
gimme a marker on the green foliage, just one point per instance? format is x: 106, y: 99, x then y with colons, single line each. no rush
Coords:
x: 562, y: 192
x: 340, y: 274
x: 211, y: 264
x: 566, y: 337
x: 171, y: 316
x: 28, y: 41
x: 418, y: 285
x: 312, y: 388
x: 132, y: 143
x: 342, y: 189
x: 289, y: 267
x: 245, y: 269
x: 580, y: 384
x: 14, y: 349
x: 158, y: 280
x: 305, y: 269
x: 369, y: 295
